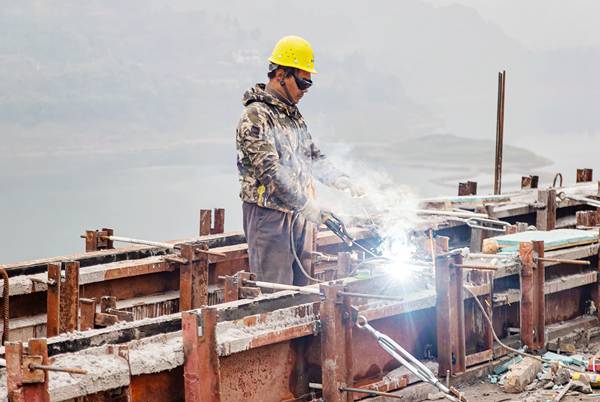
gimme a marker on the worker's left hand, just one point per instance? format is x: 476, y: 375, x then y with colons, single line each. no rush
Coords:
x: 345, y: 184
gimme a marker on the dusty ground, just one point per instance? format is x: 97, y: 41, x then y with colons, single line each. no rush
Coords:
x: 483, y: 391
x: 486, y: 392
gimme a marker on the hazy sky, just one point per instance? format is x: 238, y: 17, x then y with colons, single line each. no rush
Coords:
x: 541, y: 24
x: 122, y: 114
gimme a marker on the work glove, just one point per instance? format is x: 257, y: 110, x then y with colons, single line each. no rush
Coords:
x: 344, y: 183
x: 312, y: 212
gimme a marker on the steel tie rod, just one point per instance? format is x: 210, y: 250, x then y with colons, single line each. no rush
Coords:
x: 315, y: 291
x: 407, y: 360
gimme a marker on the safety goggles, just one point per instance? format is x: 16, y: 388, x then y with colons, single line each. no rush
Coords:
x: 302, y: 83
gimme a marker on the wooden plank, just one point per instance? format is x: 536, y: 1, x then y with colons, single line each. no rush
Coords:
x: 53, y: 300
x: 38, y: 392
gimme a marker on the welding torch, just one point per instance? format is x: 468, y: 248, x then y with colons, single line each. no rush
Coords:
x: 336, y: 225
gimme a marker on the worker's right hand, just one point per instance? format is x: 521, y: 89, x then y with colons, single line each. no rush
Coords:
x: 312, y: 212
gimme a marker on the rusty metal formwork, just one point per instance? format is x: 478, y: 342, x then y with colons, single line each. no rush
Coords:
x: 136, y: 345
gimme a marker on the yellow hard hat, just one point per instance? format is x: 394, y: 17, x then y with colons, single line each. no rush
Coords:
x: 294, y: 51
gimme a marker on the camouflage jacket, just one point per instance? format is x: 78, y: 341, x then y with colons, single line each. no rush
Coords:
x: 277, y: 157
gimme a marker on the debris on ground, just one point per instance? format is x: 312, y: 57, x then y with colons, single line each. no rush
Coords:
x: 521, y: 375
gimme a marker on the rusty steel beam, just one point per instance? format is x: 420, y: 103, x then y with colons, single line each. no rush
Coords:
x: 336, y: 344
x: 443, y: 303
x: 467, y: 188
x: 201, y: 362
x: 205, y: 222
x: 539, y: 299
x: 219, y: 221
x: 38, y: 392
x: 69, y: 298
x: 53, y: 300
x: 546, y: 216
x: 526, y: 305
x: 499, y: 133
x: 584, y: 175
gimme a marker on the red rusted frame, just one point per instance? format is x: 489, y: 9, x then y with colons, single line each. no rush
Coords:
x: 532, y: 306
x: 344, y: 264
x: 201, y: 362
x: 53, y: 300
x: 193, y: 277
x: 98, y: 240
x: 539, y: 297
x: 69, y: 298
x: 467, y: 188
x: 584, y: 175
x: 87, y: 311
x: 546, y: 216
x: 336, y: 345
x: 205, y: 222
x: 449, y: 312
x: 21, y: 385
x: 218, y: 221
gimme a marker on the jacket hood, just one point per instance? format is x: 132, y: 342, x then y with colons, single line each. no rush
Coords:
x: 259, y: 93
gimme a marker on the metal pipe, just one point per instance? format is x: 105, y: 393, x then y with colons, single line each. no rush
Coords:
x: 449, y: 213
x: 371, y: 296
x: 54, y: 368
x: 476, y: 266
x: 314, y: 385
x: 562, y: 261
x: 303, y: 289
x: 280, y: 286
x: 140, y: 241
x: 499, y: 133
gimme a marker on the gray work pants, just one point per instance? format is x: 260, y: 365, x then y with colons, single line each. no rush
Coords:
x: 270, y: 254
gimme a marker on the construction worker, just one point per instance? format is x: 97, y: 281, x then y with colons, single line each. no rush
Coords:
x: 277, y: 161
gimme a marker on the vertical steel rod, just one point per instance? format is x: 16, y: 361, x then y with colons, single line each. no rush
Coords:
x: 499, y: 133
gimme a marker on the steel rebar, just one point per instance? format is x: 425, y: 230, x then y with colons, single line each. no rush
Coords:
x: 562, y: 261
x: 499, y: 133
x: 5, y: 305
x: 314, y: 385
x: 54, y: 368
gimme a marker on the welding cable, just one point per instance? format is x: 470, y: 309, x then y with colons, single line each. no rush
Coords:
x: 293, y: 245
x: 5, y: 310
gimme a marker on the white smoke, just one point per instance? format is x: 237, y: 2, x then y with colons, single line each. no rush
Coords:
x: 387, y: 205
